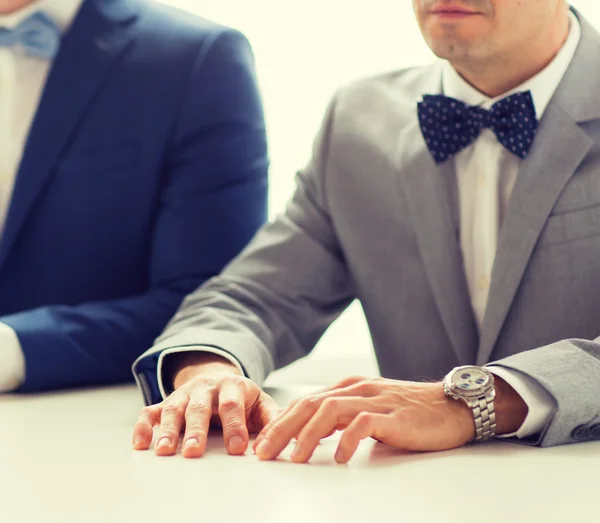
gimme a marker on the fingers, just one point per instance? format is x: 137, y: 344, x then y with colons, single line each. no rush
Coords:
x: 343, y: 387
x: 197, y: 422
x: 232, y: 411
x: 242, y: 407
x: 266, y: 428
x: 264, y: 413
x: 171, y: 422
x: 285, y: 427
x: 279, y: 414
x: 265, y: 410
x: 346, y: 382
x: 293, y: 419
x: 332, y: 413
x: 262, y: 433
x: 143, y: 429
x: 365, y: 425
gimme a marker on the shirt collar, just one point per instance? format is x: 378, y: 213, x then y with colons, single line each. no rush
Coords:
x: 62, y: 12
x: 542, y: 85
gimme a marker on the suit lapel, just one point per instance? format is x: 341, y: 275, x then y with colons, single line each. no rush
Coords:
x: 98, y: 36
x: 560, y: 147
x: 428, y: 189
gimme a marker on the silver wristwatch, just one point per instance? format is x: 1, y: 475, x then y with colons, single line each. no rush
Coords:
x: 475, y: 386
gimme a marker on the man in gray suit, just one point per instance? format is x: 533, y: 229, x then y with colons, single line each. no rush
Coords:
x: 460, y: 203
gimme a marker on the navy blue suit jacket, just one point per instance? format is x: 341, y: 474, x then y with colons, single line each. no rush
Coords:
x: 144, y: 173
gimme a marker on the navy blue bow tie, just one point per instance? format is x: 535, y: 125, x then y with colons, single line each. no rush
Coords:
x: 449, y: 125
x: 38, y: 35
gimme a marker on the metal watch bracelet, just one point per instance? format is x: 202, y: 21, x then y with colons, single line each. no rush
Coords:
x: 484, y: 416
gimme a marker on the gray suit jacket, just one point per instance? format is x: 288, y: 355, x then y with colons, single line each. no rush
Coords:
x: 373, y: 218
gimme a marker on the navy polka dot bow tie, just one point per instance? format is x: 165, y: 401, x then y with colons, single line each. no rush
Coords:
x: 449, y: 125
x: 37, y: 35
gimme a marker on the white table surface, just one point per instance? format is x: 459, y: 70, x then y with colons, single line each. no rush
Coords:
x: 66, y: 458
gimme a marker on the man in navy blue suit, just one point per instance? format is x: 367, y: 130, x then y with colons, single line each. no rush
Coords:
x: 133, y: 167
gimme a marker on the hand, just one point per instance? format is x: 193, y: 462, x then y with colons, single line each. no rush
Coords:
x: 406, y: 415
x: 211, y: 390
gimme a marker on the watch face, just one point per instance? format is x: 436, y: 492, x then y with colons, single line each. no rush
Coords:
x: 470, y: 379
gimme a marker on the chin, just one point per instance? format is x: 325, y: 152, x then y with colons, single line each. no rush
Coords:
x: 450, y: 49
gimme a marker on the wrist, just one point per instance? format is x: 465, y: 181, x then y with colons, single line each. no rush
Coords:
x: 188, y: 366
x: 511, y: 410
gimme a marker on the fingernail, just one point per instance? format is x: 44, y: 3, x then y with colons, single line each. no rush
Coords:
x: 138, y: 440
x: 164, y: 442
x: 263, y: 449
x: 191, y: 443
x: 340, y: 455
x: 236, y: 442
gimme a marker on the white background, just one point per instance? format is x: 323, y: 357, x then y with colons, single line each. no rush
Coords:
x: 304, y: 51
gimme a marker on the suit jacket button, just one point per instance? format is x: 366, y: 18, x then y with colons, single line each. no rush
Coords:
x: 581, y: 433
x: 595, y: 431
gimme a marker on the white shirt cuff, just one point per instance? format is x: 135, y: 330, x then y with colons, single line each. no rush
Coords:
x: 540, y: 402
x: 12, y: 360
x: 198, y: 348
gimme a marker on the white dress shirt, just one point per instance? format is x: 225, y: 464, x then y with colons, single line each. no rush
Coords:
x: 486, y: 175
x: 22, y: 79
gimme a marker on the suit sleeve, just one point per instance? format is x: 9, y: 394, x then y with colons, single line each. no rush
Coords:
x: 272, y: 304
x: 570, y: 371
x: 213, y: 202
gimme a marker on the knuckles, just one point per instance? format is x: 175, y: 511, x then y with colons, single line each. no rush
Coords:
x: 173, y: 409
x: 309, y: 404
x: 235, y: 381
x: 230, y: 406
x: 198, y: 407
x: 350, y: 380
x: 370, y: 387
x: 331, y: 406
x: 364, y: 419
x: 201, y: 382
x: 196, y: 429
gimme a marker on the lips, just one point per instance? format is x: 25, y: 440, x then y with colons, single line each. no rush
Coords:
x: 452, y: 10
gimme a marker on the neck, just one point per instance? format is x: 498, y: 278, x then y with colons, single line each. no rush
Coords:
x: 495, y: 77
x: 8, y: 7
